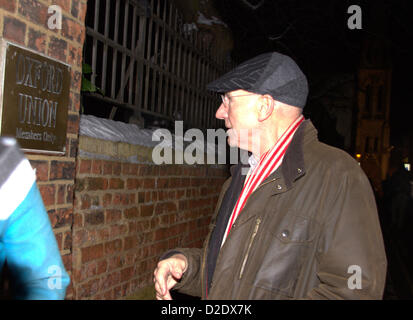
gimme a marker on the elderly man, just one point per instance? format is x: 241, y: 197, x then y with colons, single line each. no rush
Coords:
x: 301, y: 224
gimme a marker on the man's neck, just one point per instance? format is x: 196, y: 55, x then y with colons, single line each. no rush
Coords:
x: 270, y: 136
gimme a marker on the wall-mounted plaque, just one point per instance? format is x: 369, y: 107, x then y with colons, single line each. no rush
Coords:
x: 34, y: 98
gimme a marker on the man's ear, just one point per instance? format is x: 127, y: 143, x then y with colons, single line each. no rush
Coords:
x: 266, y: 108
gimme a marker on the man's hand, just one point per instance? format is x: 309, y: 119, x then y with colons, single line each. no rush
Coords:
x: 167, y: 274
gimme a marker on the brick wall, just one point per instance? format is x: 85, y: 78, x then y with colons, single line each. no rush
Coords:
x: 112, y: 219
x: 25, y: 22
x: 127, y: 215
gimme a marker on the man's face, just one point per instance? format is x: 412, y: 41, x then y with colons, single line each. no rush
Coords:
x: 239, y: 112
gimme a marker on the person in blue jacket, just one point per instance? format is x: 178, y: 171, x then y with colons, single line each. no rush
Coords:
x: 27, y: 242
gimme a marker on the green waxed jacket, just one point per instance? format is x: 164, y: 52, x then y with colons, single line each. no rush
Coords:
x: 309, y: 231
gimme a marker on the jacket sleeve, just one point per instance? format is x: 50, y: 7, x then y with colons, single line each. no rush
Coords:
x: 351, y: 254
x: 190, y: 282
x: 31, y: 252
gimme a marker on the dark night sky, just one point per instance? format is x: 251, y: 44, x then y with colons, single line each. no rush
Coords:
x: 315, y: 34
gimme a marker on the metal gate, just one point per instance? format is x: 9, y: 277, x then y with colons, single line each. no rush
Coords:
x: 143, y: 60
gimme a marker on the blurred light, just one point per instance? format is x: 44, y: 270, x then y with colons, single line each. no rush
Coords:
x: 407, y: 166
x: 358, y: 155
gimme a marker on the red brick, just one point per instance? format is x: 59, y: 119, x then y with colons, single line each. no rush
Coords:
x: 34, y: 11
x: 107, y: 200
x: 141, y: 197
x: 8, y: 5
x: 58, y: 50
x: 77, y: 220
x: 117, y: 292
x: 67, y: 240
x: 131, y: 213
x: 61, y: 190
x: 59, y: 237
x: 146, y: 210
x: 62, y: 170
x: 125, y: 169
x: 74, y: 144
x: 162, y: 183
x: 67, y: 261
x: 117, y: 168
x: 97, y: 166
x: 61, y: 217
x: 92, y: 253
x: 126, y: 274
x: 89, y: 289
x: 48, y: 194
x: 165, y: 207
x: 103, y: 234
x: 114, y: 263
x: 84, y: 166
x: 69, y: 193
x: 42, y: 169
x: 85, y: 201
x: 97, y: 184
x: 75, y: 8
x: 133, y: 169
x: 107, y: 167
x: 113, y: 247
x: 133, y: 183
x: 116, y: 183
x: 79, y: 238
x: 117, y: 230
x: 72, y: 30
x: 64, y: 4
x: 14, y: 30
x: 101, y: 266
x: 120, y: 198
x: 149, y: 183
x: 82, y: 11
x: 37, y: 41
x: 74, y: 99
x: 87, y: 270
x: 95, y: 218
x: 73, y: 123
x: 131, y: 242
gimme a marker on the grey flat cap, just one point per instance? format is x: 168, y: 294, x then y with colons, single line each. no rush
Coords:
x: 270, y: 73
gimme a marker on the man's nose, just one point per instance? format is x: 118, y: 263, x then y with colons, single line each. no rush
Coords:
x: 221, y: 112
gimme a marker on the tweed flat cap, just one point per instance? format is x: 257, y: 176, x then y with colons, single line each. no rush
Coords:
x: 270, y: 73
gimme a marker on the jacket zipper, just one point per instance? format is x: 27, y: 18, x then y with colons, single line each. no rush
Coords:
x: 254, y: 233
x: 203, y: 280
x: 257, y: 225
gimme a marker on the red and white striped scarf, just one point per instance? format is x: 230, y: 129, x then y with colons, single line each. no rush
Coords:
x: 268, y: 163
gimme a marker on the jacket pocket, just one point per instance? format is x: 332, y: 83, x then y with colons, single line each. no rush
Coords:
x: 286, y: 247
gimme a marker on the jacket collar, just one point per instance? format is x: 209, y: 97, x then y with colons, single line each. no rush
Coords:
x: 293, y: 166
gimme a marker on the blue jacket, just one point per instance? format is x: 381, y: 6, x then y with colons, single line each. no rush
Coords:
x: 27, y: 242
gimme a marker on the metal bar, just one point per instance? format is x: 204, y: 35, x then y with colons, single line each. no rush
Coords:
x: 131, y: 67
x: 115, y: 52
x: 174, y: 88
x: 148, y: 54
x: 168, y: 60
x: 121, y: 91
x: 161, y: 63
x: 95, y: 44
x: 125, y: 105
x: 108, y: 41
x: 140, y: 62
x: 155, y: 56
x: 105, y: 47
